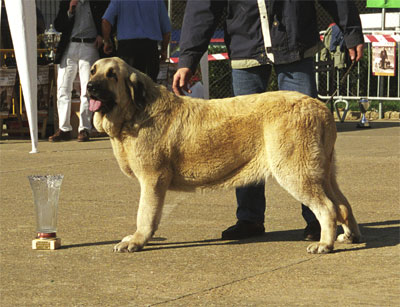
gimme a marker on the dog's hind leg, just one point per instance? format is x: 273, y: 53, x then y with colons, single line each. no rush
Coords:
x: 152, y: 197
x: 304, y: 177
x: 345, y: 215
x: 325, y: 211
x: 310, y: 191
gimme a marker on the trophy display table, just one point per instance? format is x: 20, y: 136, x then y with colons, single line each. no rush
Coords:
x: 13, y: 119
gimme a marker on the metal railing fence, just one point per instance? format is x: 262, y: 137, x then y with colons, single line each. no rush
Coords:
x: 361, y: 82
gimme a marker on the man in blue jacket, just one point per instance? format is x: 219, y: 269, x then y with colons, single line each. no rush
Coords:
x: 260, y: 34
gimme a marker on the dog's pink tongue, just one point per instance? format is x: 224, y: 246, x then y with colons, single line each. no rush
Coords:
x: 94, y: 105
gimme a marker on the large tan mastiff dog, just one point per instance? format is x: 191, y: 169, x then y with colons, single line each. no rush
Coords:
x: 181, y: 143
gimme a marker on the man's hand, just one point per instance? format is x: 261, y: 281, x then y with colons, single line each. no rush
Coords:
x: 356, y: 52
x: 108, y: 47
x: 72, y: 6
x: 99, y: 42
x: 181, y: 81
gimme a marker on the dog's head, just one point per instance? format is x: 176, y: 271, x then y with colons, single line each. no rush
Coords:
x: 114, y: 84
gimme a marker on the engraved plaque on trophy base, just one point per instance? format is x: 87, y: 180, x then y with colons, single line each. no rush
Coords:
x: 46, y: 244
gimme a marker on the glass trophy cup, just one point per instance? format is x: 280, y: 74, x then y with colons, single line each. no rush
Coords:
x: 46, y: 190
x: 364, y: 106
x: 51, y: 39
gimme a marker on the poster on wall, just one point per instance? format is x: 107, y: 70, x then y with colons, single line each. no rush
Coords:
x: 383, y: 59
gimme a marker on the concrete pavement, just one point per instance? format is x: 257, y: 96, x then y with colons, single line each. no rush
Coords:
x: 186, y: 264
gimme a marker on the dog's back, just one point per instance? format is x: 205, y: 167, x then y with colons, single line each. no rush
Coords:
x: 233, y: 141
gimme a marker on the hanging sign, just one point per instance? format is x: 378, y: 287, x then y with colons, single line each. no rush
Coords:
x: 383, y: 58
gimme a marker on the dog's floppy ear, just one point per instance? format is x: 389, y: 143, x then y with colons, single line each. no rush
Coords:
x: 137, y: 90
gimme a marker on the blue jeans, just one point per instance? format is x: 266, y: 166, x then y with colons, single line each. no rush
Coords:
x: 298, y: 76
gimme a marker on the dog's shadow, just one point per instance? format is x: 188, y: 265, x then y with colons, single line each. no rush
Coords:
x: 376, y: 235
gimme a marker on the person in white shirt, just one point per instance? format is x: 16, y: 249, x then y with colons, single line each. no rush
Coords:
x: 79, y: 21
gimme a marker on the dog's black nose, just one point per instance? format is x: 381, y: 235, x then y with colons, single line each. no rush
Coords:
x: 90, y: 86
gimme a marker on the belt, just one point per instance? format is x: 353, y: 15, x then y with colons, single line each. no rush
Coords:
x: 83, y: 40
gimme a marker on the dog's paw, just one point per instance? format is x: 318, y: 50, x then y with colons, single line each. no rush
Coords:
x: 121, y: 247
x: 319, y: 248
x: 342, y: 238
x: 129, y: 247
x: 129, y: 244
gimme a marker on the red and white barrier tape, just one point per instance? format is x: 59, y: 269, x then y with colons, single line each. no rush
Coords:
x: 369, y: 38
x: 382, y: 38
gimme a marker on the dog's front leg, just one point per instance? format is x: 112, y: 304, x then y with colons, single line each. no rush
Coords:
x: 152, y: 197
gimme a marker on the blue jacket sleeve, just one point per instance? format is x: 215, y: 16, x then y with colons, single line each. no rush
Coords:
x: 346, y: 16
x: 199, y: 23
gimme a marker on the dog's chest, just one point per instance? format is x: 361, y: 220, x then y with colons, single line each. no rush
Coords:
x: 124, y: 157
x: 134, y: 157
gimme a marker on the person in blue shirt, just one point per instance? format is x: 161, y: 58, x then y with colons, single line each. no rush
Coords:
x: 140, y: 26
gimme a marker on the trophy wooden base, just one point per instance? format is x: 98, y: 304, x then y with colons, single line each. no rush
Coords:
x: 46, y: 244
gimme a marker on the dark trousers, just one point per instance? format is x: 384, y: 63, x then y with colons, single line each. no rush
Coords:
x: 141, y: 54
x: 298, y: 76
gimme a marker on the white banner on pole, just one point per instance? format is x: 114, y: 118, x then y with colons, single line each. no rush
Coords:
x: 22, y: 21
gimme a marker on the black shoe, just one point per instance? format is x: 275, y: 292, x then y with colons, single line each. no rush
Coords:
x: 312, y: 232
x: 243, y: 230
x: 83, y: 136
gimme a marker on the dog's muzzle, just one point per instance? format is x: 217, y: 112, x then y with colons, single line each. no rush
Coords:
x: 93, y: 90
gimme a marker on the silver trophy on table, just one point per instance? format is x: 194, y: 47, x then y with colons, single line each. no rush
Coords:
x: 364, y: 105
x: 46, y: 190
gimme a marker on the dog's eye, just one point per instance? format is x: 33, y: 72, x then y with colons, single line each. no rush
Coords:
x: 111, y: 74
x: 93, y: 70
